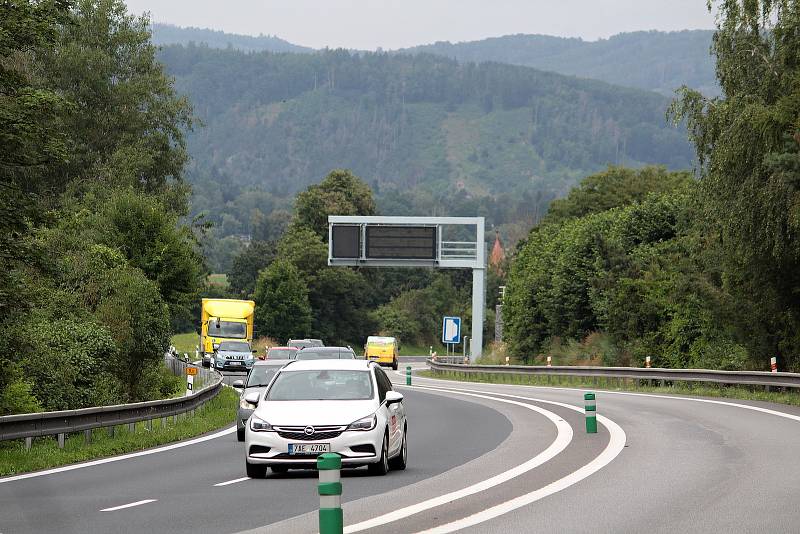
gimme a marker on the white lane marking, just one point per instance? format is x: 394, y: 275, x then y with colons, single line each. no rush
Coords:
x: 148, y: 452
x: 563, y: 439
x: 626, y: 393
x: 615, y: 446
x: 234, y: 481
x: 130, y: 505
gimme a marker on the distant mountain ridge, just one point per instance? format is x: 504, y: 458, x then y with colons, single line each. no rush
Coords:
x: 167, y: 34
x: 650, y: 60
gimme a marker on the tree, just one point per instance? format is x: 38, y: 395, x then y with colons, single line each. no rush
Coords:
x: 305, y: 249
x: 339, y: 193
x: 125, y: 122
x: 282, y: 307
x: 748, y: 144
x: 616, y: 186
x: 247, y: 264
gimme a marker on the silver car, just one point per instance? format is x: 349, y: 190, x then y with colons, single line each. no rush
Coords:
x: 257, y: 381
x: 325, y: 353
x: 233, y: 356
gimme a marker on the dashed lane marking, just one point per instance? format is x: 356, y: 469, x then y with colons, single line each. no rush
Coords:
x: 129, y: 505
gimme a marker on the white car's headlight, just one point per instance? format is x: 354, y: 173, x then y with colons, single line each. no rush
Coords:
x: 365, y: 423
x: 246, y: 405
x: 259, y: 425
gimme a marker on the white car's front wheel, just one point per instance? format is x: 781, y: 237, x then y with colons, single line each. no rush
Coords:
x: 255, y: 470
x: 381, y: 467
x: 399, y: 461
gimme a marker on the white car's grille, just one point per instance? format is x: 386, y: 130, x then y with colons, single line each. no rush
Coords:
x: 309, y: 433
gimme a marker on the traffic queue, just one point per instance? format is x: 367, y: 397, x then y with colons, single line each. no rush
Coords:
x: 304, y: 399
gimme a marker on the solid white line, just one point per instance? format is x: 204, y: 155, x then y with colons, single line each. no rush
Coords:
x: 148, y: 452
x: 615, y: 446
x: 131, y: 505
x: 612, y: 450
x: 234, y: 481
x: 563, y: 439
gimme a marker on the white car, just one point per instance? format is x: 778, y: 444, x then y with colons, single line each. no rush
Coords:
x: 342, y: 406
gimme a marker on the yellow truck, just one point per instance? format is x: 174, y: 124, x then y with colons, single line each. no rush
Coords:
x: 382, y: 349
x: 225, y: 320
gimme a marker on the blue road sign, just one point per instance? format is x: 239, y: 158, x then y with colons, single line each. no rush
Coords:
x: 451, y: 330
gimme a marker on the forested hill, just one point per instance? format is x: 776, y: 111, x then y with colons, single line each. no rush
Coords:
x: 656, y: 61
x: 652, y: 60
x: 167, y: 34
x: 429, y: 135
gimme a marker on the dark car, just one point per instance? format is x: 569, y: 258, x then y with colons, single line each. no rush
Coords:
x: 257, y: 381
x: 233, y: 356
x: 326, y: 353
x: 304, y: 343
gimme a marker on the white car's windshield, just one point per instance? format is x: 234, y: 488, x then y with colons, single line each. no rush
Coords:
x: 321, y: 385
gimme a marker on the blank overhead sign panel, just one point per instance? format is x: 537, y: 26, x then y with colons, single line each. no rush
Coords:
x: 401, y: 242
x: 346, y: 241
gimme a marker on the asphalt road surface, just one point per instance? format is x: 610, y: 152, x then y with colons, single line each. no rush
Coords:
x: 482, y: 458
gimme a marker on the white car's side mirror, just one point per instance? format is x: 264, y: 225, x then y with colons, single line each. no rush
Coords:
x: 393, y: 397
x: 253, y: 397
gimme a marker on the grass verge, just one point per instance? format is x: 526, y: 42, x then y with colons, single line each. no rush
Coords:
x: 185, y: 343
x: 217, y: 413
x: 754, y: 393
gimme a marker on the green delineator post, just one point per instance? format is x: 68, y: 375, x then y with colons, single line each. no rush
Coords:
x: 331, y: 520
x: 591, y: 413
x: 408, y: 375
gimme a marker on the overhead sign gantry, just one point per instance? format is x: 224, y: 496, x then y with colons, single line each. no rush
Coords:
x: 436, y: 242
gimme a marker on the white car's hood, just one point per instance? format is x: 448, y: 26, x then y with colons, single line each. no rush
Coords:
x: 302, y: 413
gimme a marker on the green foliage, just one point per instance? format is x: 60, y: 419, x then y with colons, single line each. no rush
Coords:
x: 339, y: 298
x: 126, y: 122
x: 247, y: 264
x: 417, y: 129
x: 641, y: 275
x: 415, y: 315
x: 305, y: 249
x: 617, y: 186
x: 339, y: 193
x: 94, y: 256
x: 71, y: 364
x: 283, y: 309
x: 748, y: 143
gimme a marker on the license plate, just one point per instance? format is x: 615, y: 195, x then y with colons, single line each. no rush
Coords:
x: 309, y: 448
x: 235, y: 363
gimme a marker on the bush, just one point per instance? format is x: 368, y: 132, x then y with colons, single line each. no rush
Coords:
x: 69, y: 364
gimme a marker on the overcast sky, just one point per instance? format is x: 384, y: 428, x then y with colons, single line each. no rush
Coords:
x: 390, y: 24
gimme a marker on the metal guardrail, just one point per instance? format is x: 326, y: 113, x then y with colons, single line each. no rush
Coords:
x: 451, y: 359
x: 67, y: 421
x: 751, y: 378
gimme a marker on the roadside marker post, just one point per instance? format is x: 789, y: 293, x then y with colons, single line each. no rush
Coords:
x: 591, y: 413
x: 647, y: 362
x: 190, y: 372
x: 773, y: 364
x: 549, y: 361
x: 408, y: 375
x: 331, y: 520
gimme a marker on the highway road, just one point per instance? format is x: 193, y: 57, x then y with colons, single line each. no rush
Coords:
x: 482, y: 458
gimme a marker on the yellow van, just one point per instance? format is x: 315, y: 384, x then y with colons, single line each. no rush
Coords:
x: 384, y: 350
